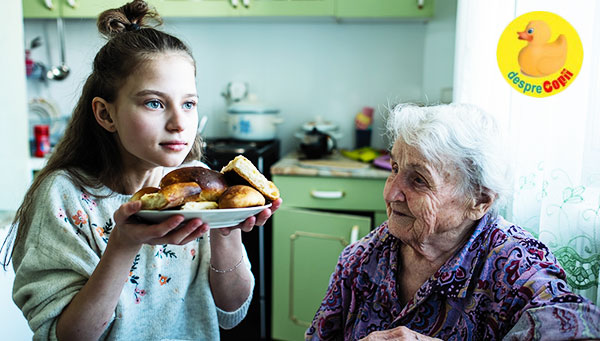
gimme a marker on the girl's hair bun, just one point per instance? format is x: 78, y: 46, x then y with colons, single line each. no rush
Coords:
x: 130, y: 17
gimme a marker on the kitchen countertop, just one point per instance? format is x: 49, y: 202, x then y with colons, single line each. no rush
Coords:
x: 334, y: 165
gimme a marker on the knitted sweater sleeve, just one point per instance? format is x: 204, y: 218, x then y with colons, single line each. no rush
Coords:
x: 55, y: 260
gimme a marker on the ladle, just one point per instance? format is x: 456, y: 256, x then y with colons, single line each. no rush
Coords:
x: 61, y: 71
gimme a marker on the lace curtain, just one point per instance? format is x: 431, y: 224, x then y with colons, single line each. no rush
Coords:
x: 554, y: 141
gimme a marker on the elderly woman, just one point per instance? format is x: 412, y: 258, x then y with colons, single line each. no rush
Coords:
x: 445, y: 264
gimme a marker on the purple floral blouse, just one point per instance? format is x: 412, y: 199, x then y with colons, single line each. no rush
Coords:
x: 502, y: 284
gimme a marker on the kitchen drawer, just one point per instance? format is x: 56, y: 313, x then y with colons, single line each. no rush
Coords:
x: 359, y: 194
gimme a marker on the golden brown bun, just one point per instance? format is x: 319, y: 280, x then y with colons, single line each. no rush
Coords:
x: 241, y: 196
x: 138, y: 195
x: 169, y: 196
x: 211, y: 182
x: 245, y: 169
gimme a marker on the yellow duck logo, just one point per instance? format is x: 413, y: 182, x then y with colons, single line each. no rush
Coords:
x: 540, y: 57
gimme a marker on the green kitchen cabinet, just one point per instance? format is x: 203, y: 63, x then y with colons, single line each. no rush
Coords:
x: 306, y: 246
x: 299, y: 8
x: 319, y: 217
x: 89, y: 8
x: 197, y: 8
x: 41, y: 8
x: 34, y: 9
x: 409, y: 9
x: 245, y: 8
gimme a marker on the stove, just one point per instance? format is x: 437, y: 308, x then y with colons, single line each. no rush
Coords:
x: 258, y: 243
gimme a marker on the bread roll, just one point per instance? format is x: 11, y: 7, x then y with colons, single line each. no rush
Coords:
x: 199, y: 205
x: 244, y: 168
x: 169, y: 196
x: 138, y: 195
x: 241, y: 196
x: 211, y: 182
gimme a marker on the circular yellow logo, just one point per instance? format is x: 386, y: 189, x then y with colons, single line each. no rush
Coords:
x: 539, y: 54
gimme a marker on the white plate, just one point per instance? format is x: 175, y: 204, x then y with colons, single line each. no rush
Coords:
x: 216, y: 218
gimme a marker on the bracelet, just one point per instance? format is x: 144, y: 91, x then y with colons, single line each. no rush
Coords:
x: 228, y: 270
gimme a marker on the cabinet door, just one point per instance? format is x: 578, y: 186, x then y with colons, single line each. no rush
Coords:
x: 252, y: 8
x: 89, y: 8
x: 306, y: 247
x: 197, y: 8
x: 41, y: 8
x: 384, y: 8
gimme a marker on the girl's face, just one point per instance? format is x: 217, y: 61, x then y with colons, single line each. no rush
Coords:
x: 155, y: 114
x: 423, y: 203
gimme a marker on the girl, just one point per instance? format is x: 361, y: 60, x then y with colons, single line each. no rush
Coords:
x: 85, y: 269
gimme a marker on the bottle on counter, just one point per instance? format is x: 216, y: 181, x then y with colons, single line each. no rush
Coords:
x: 42, y: 140
x: 363, y: 122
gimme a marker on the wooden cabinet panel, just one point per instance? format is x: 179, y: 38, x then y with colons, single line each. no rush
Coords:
x: 306, y: 246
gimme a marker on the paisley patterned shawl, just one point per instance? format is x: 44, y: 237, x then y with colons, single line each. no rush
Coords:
x: 479, y: 293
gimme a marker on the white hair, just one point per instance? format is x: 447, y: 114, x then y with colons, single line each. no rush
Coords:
x: 459, y: 135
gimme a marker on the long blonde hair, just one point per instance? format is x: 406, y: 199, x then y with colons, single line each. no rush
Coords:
x: 88, y: 152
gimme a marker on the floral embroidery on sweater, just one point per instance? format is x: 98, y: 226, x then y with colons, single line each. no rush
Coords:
x: 79, y: 219
x: 62, y: 215
x: 104, y: 232
x: 164, y: 251
x: 90, y: 203
x: 137, y: 293
x: 163, y: 279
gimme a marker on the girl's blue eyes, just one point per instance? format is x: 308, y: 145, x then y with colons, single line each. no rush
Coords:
x: 156, y: 104
x: 153, y: 104
x: 188, y: 105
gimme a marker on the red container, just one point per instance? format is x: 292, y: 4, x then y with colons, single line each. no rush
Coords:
x: 42, y: 140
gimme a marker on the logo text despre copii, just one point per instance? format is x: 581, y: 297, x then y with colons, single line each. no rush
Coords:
x: 547, y: 86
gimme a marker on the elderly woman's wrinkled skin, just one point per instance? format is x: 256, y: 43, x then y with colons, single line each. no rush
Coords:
x: 428, y: 212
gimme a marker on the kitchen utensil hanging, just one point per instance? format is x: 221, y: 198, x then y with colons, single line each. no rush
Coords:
x: 61, y: 71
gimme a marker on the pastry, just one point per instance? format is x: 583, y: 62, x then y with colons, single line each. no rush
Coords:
x: 240, y: 170
x: 212, y: 182
x: 241, y: 196
x: 166, y: 197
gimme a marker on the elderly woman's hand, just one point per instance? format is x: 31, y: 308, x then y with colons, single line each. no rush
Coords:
x: 398, y: 333
x: 257, y: 220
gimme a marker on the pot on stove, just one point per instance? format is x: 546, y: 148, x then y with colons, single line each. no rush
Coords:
x: 252, y: 121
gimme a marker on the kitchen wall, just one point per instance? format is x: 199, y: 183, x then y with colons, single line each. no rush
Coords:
x: 304, y: 67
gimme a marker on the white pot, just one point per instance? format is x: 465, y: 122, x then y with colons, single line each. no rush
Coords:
x: 252, y: 122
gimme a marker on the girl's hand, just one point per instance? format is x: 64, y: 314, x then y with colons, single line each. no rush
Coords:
x: 129, y: 232
x: 398, y: 333
x: 257, y: 220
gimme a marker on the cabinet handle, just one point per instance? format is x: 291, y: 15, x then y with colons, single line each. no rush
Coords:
x: 49, y: 4
x: 72, y: 3
x: 327, y: 194
x: 420, y: 4
x: 246, y: 3
x: 354, y: 234
x: 235, y: 3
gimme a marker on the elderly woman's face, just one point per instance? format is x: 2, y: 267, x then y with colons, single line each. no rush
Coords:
x: 422, y: 201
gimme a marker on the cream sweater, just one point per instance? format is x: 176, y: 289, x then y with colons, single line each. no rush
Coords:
x: 167, y: 295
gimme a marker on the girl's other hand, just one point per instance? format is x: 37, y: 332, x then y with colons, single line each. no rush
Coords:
x: 130, y: 232
x: 257, y: 220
